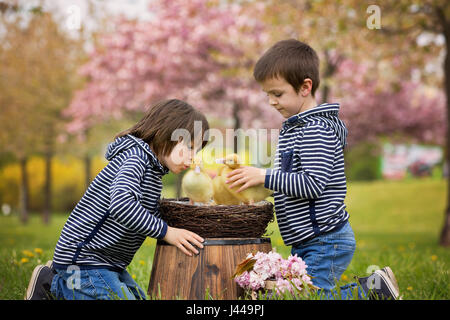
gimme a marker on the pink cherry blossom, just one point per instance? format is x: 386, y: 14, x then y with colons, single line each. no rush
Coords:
x: 243, y: 280
x: 271, y: 266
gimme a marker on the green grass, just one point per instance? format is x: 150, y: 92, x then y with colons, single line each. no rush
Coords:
x: 395, y: 223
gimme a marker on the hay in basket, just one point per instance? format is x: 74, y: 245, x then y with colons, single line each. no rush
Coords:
x: 218, y: 221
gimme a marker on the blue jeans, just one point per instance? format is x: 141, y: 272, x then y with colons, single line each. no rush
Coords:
x: 327, y: 257
x: 74, y: 283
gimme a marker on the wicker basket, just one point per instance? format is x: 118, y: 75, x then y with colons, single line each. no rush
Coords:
x: 218, y: 221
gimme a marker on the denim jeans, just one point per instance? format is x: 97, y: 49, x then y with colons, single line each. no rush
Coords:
x: 74, y: 283
x: 327, y: 257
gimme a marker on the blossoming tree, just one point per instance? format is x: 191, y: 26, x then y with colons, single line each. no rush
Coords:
x: 194, y: 50
x: 36, y: 83
x: 407, y: 111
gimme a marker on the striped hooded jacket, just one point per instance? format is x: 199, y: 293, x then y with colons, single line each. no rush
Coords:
x: 117, y: 212
x: 308, y: 177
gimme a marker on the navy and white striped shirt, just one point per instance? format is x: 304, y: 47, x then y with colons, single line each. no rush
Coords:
x: 308, y: 175
x: 117, y: 212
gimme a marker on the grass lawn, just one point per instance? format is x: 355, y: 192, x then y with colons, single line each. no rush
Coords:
x: 395, y: 223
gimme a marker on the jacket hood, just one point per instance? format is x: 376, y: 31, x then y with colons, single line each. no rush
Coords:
x: 127, y: 142
x: 328, y: 112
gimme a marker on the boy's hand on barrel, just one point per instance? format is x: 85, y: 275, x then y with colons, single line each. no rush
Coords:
x: 183, y: 240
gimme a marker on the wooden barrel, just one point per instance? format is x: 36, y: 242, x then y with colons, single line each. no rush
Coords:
x: 204, y: 276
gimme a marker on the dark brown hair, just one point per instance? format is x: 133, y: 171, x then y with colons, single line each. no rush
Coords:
x: 292, y: 60
x: 162, y: 119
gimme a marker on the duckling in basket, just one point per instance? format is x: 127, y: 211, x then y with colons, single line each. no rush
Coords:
x: 222, y: 193
x: 249, y: 195
x: 197, y: 184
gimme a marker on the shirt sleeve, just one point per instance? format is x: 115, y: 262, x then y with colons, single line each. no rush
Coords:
x: 317, y: 149
x: 125, y: 206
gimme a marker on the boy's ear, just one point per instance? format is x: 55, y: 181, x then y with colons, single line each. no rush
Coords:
x: 306, y: 87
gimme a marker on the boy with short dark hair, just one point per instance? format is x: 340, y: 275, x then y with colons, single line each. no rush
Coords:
x: 308, y: 178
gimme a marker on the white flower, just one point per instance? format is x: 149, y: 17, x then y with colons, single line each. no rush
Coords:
x: 256, y: 281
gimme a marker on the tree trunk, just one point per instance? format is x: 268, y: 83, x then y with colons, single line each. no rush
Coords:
x: 325, y: 93
x: 48, y: 187
x: 87, y: 170
x: 237, y: 125
x: 330, y: 69
x: 445, y: 233
x: 24, y: 195
x: 87, y: 161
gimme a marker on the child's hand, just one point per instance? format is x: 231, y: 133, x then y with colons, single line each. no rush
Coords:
x: 248, y: 176
x: 182, y: 239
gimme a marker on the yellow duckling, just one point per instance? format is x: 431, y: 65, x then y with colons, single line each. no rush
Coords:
x: 197, y: 184
x: 222, y: 193
x: 249, y: 195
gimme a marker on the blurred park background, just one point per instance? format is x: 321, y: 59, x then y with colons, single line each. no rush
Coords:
x: 75, y: 73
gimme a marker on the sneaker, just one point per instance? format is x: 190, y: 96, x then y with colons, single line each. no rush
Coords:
x: 388, y: 271
x: 50, y: 265
x: 40, y: 282
x: 380, y: 285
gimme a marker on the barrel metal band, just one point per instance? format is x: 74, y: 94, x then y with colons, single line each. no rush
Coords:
x: 231, y: 241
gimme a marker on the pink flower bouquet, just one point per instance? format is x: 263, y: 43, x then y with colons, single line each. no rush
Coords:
x: 271, y: 272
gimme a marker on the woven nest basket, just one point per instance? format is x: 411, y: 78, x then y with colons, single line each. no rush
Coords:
x: 218, y: 221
